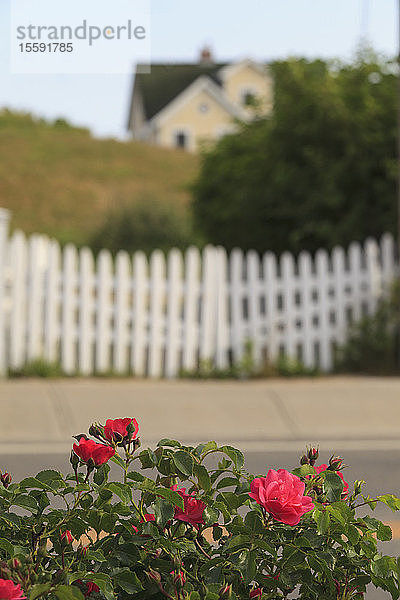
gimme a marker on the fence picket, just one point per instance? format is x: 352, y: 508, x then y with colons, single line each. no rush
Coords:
x: 306, y: 309
x: 272, y: 315
x: 52, y: 303
x: 139, y: 316
x: 18, y: 264
x: 208, y: 304
x: 37, y: 250
x: 236, y: 303
x: 190, y: 309
x: 104, y: 312
x: 86, y: 312
x: 157, y: 316
x: 121, y: 313
x: 221, y: 311
x: 68, y: 320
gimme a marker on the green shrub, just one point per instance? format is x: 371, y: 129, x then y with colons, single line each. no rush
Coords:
x: 372, y: 345
x: 145, y: 225
x: 188, y: 523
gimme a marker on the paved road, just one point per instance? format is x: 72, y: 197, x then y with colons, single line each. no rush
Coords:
x: 271, y: 421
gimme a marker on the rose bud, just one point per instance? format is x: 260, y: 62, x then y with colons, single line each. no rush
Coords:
x: 256, y: 593
x: 313, y: 454
x: 179, y: 580
x: 96, y: 431
x: 15, y: 564
x: 67, y: 537
x: 304, y: 460
x: 153, y: 576
x: 335, y: 463
x: 74, y: 460
x: 6, y: 479
x: 225, y: 592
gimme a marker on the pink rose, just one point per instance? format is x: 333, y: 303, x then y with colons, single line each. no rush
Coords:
x: 193, y: 508
x: 282, y: 496
x: 320, y: 468
x: 10, y: 590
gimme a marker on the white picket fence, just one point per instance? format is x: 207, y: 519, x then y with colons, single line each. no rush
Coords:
x: 155, y: 317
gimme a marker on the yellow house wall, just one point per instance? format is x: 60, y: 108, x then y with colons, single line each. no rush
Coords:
x: 200, y: 126
x: 247, y: 78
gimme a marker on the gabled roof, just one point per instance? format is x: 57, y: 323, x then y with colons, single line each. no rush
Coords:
x: 202, y: 83
x: 166, y: 82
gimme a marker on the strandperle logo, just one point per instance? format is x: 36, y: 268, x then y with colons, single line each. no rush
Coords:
x: 84, y: 31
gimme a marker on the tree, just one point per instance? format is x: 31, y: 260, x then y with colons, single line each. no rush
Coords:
x: 320, y: 171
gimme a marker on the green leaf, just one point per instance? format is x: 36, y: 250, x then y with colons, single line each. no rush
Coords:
x: 391, y: 501
x: 7, y: 547
x: 11, y: 518
x: 49, y: 475
x: 304, y: 470
x: 27, y: 502
x: 184, y: 462
x: 128, y: 581
x: 226, y: 482
x: 167, y: 442
x: 164, y: 512
x: 253, y: 522
x: 353, y: 534
x: 321, y: 517
x: 202, y: 477
x: 32, y: 482
x: 68, y: 592
x: 104, y: 582
x: 101, y: 474
x: 171, y: 496
x: 384, y: 533
x: 122, y: 490
x: 117, y: 460
x: 235, y: 455
x: 333, y: 486
x: 209, y: 446
x: 147, y: 459
x: 210, y: 515
x: 38, y: 590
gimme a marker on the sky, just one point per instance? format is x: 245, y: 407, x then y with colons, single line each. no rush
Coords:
x: 260, y: 29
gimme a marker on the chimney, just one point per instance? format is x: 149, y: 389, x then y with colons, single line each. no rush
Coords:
x: 206, y: 57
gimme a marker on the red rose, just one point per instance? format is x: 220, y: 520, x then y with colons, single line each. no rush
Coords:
x: 89, y: 450
x: 10, y: 590
x: 193, y: 508
x: 116, y: 430
x: 282, y: 496
x: 320, y: 468
x: 67, y: 535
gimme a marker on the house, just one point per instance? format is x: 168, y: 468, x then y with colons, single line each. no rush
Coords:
x: 185, y: 105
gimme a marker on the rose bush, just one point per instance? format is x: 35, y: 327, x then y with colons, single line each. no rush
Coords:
x: 188, y: 523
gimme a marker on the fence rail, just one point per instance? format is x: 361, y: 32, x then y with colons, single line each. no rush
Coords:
x: 153, y: 317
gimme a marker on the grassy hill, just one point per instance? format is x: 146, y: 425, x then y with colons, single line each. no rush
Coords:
x: 57, y: 179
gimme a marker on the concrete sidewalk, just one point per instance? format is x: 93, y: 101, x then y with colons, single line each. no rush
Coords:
x: 354, y: 413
